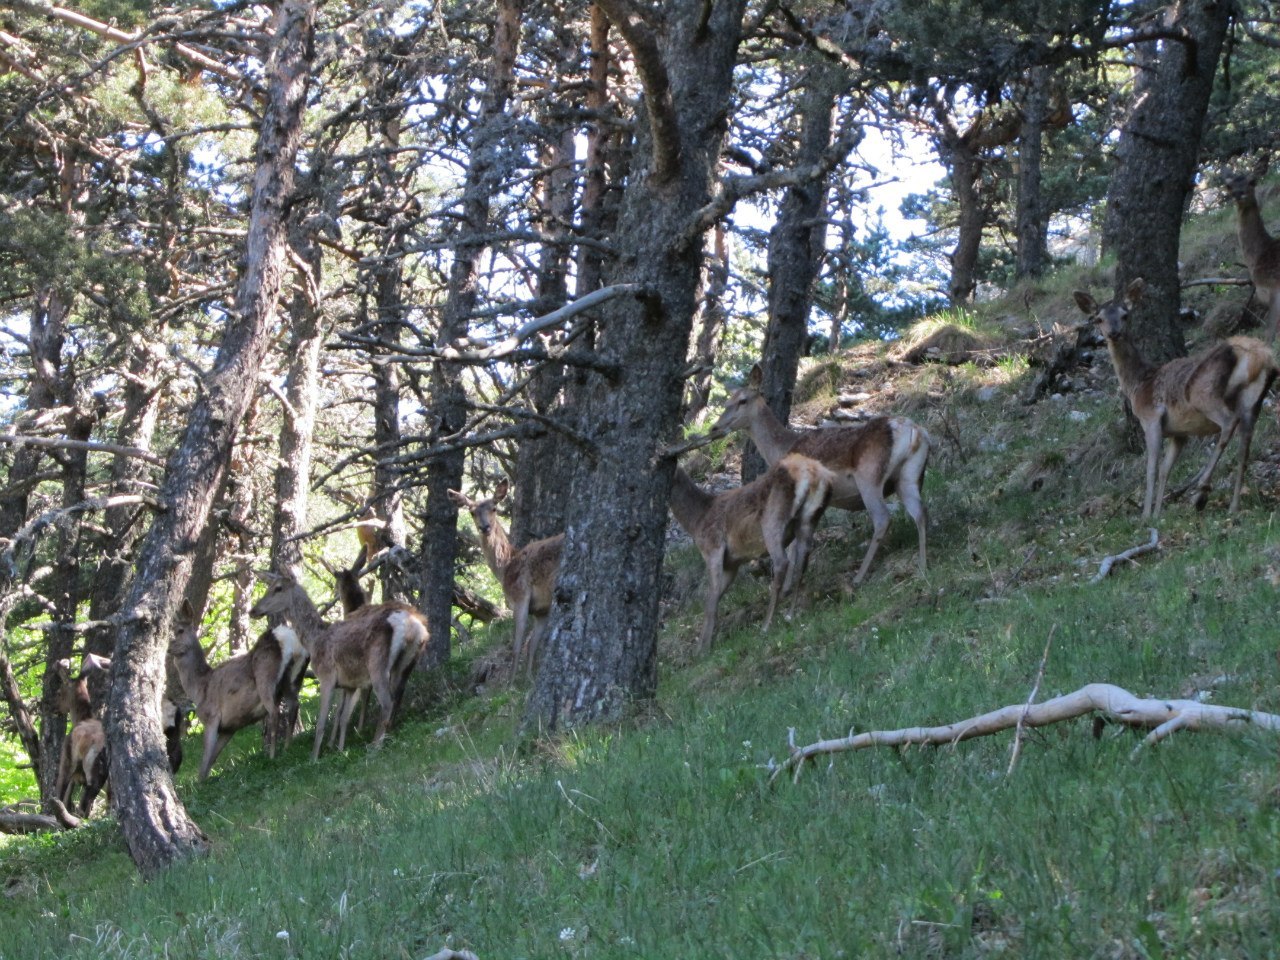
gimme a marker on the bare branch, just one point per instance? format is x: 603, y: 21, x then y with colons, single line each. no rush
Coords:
x: 61, y: 443
x: 1108, y: 562
x: 1115, y: 703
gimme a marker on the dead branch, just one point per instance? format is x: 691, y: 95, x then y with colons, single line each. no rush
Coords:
x: 1104, y: 568
x: 447, y: 954
x: 1162, y: 717
x: 1019, y: 732
x: 62, y: 443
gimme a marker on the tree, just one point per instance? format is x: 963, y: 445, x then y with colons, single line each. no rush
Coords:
x: 155, y: 825
x: 602, y: 650
x: 1156, y: 161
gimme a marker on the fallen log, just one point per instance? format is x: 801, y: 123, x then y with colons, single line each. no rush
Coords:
x: 1162, y: 717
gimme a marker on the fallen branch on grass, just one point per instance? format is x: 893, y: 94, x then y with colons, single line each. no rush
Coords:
x: 1162, y: 717
x: 14, y: 819
x: 447, y: 954
x: 1104, y: 568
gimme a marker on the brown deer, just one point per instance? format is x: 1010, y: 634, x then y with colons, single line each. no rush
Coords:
x: 83, y: 760
x: 774, y: 511
x: 240, y: 691
x: 1261, y: 251
x: 527, y: 575
x: 870, y: 461
x: 1216, y: 391
x: 377, y: 646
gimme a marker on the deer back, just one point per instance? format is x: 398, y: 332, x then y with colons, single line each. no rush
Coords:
x: 370, y: 641
x: 533, y: 569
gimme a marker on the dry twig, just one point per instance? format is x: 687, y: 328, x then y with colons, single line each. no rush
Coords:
x: 1104, y: 568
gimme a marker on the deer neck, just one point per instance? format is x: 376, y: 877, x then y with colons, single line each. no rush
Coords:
x: 1252, y: 231
x: 79, y: 707
x: 1131, y: 369
x: 497, y: 549
x: 689, y: 502
x: 773, y: 438
x: 193, y: 669
x: 305, y: 618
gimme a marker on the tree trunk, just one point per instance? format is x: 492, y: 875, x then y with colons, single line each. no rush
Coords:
x: 711, y: 322
x: 796, y: 245
x: 602, y: 650
x: 966, y: 173
x: 1156, y: 161
x: 440, y: 531
x: 156, y: 827
x: 1032, y: 253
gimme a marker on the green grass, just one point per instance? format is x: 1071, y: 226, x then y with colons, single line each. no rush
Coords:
x: 663, y: 837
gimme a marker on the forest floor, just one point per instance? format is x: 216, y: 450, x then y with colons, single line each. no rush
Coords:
x: 665, y: 837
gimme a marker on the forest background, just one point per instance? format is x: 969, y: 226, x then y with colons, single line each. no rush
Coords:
x: 274, y: 272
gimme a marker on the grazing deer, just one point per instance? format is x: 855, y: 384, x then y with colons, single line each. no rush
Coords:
x: 1261, y: 250
x: 238, y: 692
x: 377, y: 646
x: 528, y: 574
x: 83, y: 760
x: 1216, y: 391
x: 870, y: 461
x: 774, y: 511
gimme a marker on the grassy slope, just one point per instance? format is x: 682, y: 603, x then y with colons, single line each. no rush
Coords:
x: 664, y: 839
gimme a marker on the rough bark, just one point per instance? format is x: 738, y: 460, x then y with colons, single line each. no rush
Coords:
x: 1156, y: 160
x: 1032, y: 251
x: 449, y: 401
x: 796, y: 246
x: 156, y: 827
x: 711, y: 321
x: 602, y: 650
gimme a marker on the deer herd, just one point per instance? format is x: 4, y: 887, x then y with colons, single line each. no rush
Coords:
x: 1218, y: 392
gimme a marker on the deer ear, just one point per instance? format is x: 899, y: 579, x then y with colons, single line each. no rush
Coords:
x: 457, y: 497
x: 1133, y: 292
x: 756, y: 377
x: 1086, y: 302
x: 188, y: 612
x: 503, y: 487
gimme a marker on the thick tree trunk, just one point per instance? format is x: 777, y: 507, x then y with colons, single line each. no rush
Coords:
x: 1032, y: 253
x: 602, y: 651
x: 796, y: 245
x: 156, y: 827
x: 440, y: 531
x: 966, y: 174
x: 1156, y: 158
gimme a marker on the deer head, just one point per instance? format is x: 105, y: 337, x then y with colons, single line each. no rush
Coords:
x: 1111, y: 317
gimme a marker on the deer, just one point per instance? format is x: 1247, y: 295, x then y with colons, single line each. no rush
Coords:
x: 527, y: 574
x: 240, y: 691
x: 870, y: 461
x: 1261, y: 251
x: 1216, y: 391
x: 777, y: 510
x: 83, y: 760
x: 376, y: 646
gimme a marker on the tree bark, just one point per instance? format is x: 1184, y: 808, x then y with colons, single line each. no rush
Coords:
x: 711, y: 322
x: 796, y: 246
x: 1156, y: 161
x: 156, y: 827
x: 1032, y: 252
x: 440, y: 530
x: 602, y: 650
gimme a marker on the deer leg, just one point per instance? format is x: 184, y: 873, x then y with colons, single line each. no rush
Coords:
x: 214, y: 740
x: 719, y: 577
x: 878, y: 511
x: 95, y: 779
x: 62, y: 786
x: 536, y: 633
x: 327, y: 685
x: 1247, y: 423
x: 1152, y: 435
x: 521, y: 613
x: 340, y: 727
x: 382, y: 690
x: 1224, y: 437
x: 909, y: 494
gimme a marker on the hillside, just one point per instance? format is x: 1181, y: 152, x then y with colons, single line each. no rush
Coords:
x: 665, y: 838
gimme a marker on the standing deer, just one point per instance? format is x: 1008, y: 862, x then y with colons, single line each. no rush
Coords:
x: 774, y: 511
x: 240, y: 691
x: 376, y: 646
x: 1216, y: 391
x: 870, y: 461
x: 528, y: 574
x: 83, y: 760
x: 1261, y: 251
